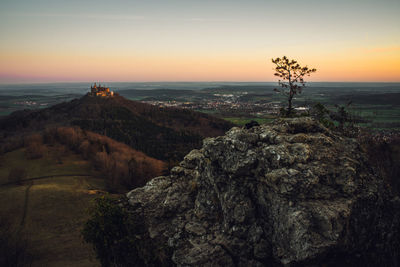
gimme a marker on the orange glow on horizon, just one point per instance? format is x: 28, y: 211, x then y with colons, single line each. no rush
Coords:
x: 375, y: 64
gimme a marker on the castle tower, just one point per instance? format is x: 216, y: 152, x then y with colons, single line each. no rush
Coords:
x: 98, y: 90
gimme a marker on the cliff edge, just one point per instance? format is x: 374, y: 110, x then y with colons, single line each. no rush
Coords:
x: 288, y: 193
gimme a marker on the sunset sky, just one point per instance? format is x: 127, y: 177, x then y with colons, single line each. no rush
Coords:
x: 188, y: 40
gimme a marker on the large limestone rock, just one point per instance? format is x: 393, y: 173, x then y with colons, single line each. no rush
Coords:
x: 288, y: 193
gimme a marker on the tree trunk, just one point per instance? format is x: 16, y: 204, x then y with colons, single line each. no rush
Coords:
x: 290, y: 95
x: 290, y: 105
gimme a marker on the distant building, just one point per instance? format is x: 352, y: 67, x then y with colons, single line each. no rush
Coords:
x: 100, y: 91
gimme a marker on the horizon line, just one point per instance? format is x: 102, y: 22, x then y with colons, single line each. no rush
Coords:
x: 227, y: 81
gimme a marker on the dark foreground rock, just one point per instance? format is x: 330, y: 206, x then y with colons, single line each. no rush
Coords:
x: 288, y: 193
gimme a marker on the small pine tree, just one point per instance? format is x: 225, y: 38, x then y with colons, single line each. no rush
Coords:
x: 291, y: 80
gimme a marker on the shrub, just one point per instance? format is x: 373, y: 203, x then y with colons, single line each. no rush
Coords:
x: 35, y: 151
x: 117, y: 240
x: 106, y: 230
x: 383, y: 151
x: 34, y: 146
x: 59, y: 153
x: 72, y: 137
x: 11, y: 143
x: 84, y: 149
x: 102, y: 162
x: 33, y: 138
x: 49, y: 136
x: 321, y: 113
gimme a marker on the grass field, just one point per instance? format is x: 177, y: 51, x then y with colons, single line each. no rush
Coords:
x: 51, y: 212
x: 243, y: 120
x: 379, y: 116
x: 48, y: 165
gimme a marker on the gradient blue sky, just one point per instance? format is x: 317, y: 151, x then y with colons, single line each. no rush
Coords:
x: 197, y: 40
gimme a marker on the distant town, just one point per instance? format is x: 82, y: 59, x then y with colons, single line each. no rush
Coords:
x: 225, y: 103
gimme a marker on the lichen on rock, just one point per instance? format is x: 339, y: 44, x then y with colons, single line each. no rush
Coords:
x: 288, y: 193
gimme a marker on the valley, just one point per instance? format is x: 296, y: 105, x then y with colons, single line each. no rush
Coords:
x: 377, y: 103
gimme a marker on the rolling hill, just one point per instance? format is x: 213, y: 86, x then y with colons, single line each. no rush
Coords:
x: 162, y: 133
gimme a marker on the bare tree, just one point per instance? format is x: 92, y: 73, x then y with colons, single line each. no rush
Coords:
x: 291, y: 76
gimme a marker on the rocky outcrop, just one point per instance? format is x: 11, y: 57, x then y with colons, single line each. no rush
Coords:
x: 288, y: 193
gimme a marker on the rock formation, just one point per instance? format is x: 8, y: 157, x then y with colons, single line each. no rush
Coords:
x: 288, y: 193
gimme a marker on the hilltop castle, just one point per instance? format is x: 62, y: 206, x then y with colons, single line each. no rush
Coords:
x: 100, y: 91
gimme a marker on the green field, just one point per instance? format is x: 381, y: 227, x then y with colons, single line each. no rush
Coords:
x: 51, y: 212
x: 243, y: 120
x: 378, y: 116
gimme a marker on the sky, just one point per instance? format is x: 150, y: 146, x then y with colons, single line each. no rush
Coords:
x: 188, y: 40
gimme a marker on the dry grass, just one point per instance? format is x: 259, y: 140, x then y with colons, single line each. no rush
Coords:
x: 56, y: 215
x: 47, y: 165
x: 56, y: 209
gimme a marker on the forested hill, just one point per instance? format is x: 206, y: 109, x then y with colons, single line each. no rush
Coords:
x: 163, y: 133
